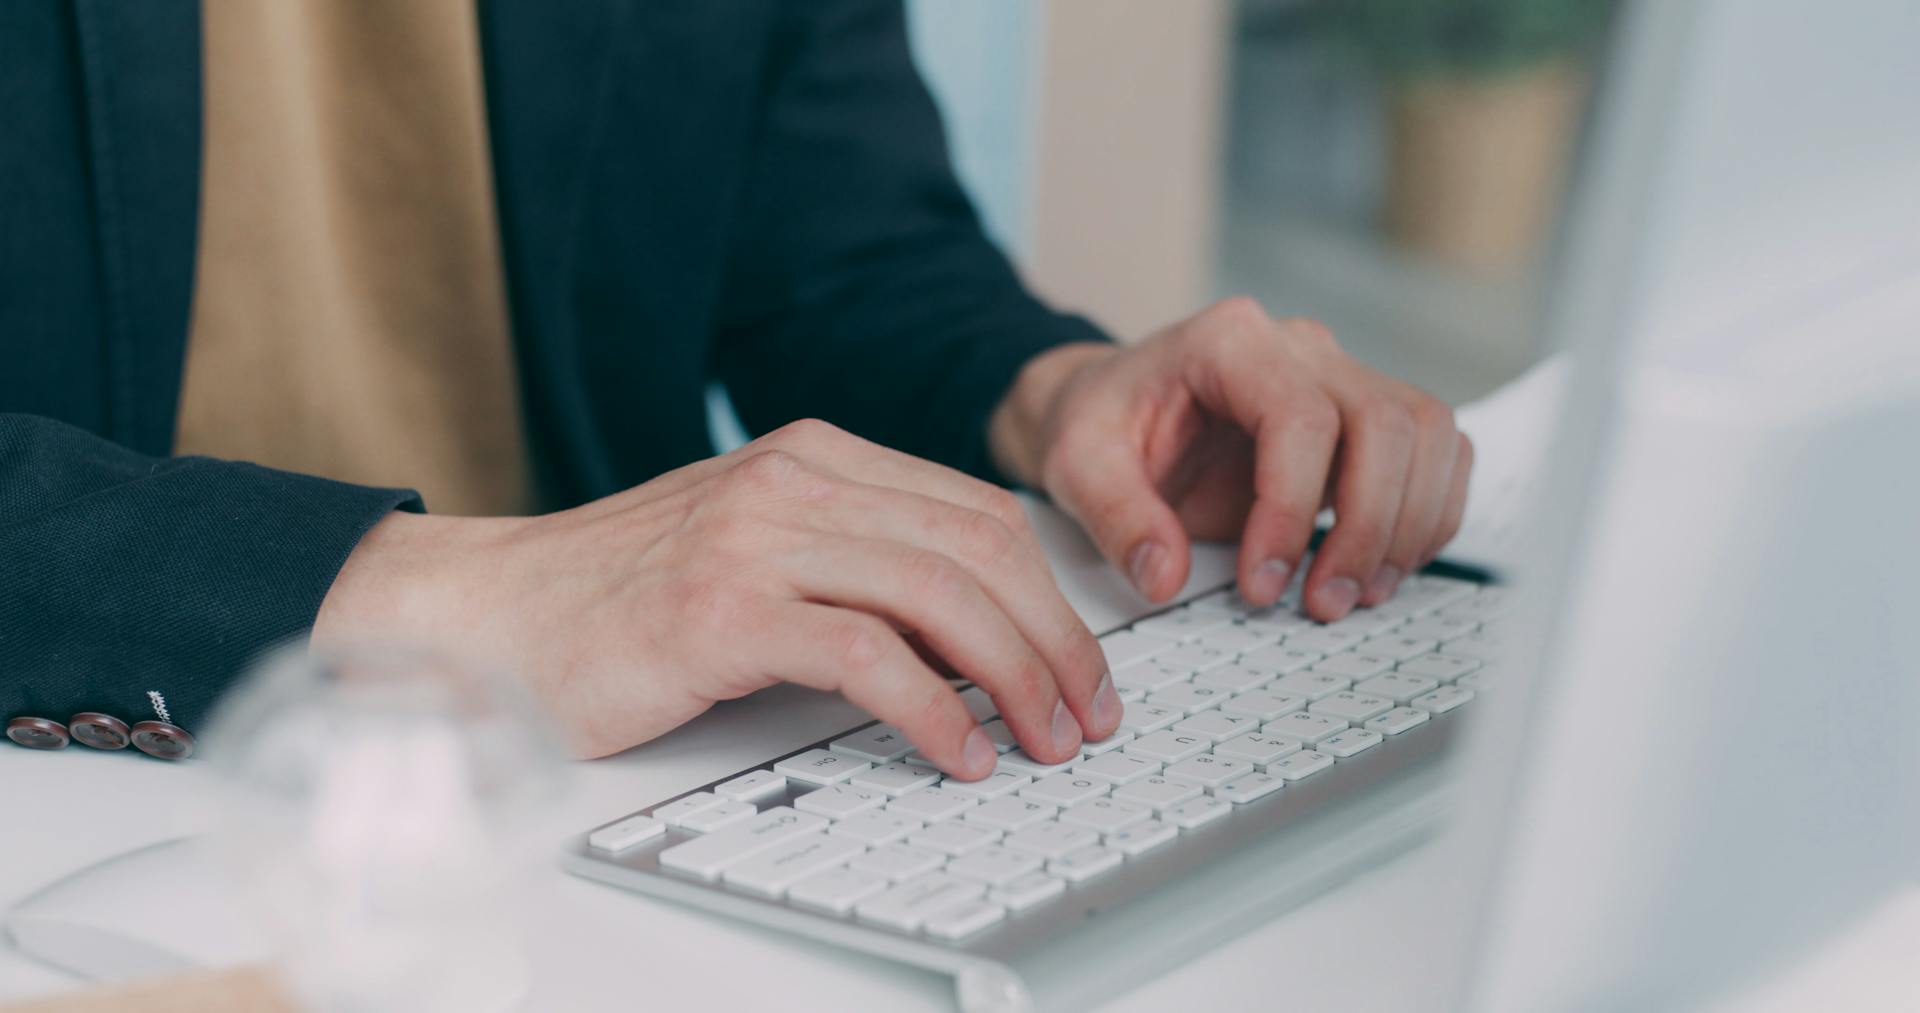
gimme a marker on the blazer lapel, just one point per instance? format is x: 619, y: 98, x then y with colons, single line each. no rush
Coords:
x: 141, y: 66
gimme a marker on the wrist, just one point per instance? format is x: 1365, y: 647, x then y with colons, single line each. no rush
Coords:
x: 396, y: 583
x: 1017, y: 429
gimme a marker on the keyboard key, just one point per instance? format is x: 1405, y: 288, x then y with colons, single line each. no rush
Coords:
x: 895, y: 778
x: 1285, y: 620
x: 1366, y: 622
x: 1085, y: 863
x: 1398, y: 686
x: 995, y: 865
x: 1208, y: 770
x: 1355, y: 665
x: 1480, y: 645
x: 673, y: 812
x: 1398, y: 720
x: 1142, y: 837
x: 1227, y: 601
x: 837, y: 890
x: 718, y: 817
x: 1237, y: 639
x: 1188, y: 697
x: 1216, y: 726
x: 881, y: 743
x: 1066, y: 789
x: 1149, y: 675
x: 1117, y: 768
x: 1444, y: 667
x: 1021, y: 762
x: 1010, y: 814
x: 1181, y: 623
x: 1398, y: 646
x: 1258, y: 747
x: 907, y: 906
x: 1167, y: 747
x: 994, y: 785
x: 1249, y: 787
x: 1143, y: 717
x: 839, y: 801
x: 1052, y: 838
x: 1233, y: 678
x: 965, y: 920
x: 1193, y: 657
x: 1106, y: 745
x: 1106, y: 815
x: 625, y: 833
x: 708, y: 855
x: 1440, y: 628
x: 1308, y: 728
x: 1352, y: 707
x: 1280, y: 659
x: 1027, y: 891
x: 752, y: 786
x: 954, y: 837
x: 774, y: 870
x: 979, y: 704
x: 1324, y: 640
x: 1156, y: 792
x: 1305, y: 763
x: 1441, y: 700
x: 818, y: 766
x: 876, y: 828
x: 932, y: 804
x: 1349, y: 742
x: 1312, y: 684
x: 898, y: 862
x: 1475, y: 681
x: 1490, y: 603
x: 1264, y: 704
x: 1125, y: 647
x: 1000, y: 734
x: 1197, y: 812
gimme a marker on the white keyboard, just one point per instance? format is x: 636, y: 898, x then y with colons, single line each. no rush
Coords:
x: 1230, y: 712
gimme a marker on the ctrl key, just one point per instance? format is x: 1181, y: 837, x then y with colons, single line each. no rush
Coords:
x: 617, y: 837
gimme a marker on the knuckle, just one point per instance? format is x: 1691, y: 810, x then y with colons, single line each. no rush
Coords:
x: 780, y: 472
x: 1365, y: 534
x: 807, y: 432
x: 1388, y: 417
x: 1433, y: 414
x: 860, y: 645
x: 1309, y: 331
x: 985, y: 539
x: 1239, y: 311
x: 1314, y: 416
x: 936, y: 577
x: 1003, y: 506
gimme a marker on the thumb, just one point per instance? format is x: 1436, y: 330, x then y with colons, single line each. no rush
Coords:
x: 1105, y: 487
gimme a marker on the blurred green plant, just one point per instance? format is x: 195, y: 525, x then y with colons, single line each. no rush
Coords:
x: 1405, y: 39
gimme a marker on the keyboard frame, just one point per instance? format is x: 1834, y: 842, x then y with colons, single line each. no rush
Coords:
x: 1003, y: 953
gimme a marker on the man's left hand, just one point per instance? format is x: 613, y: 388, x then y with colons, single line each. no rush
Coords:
x: 1230, y: 425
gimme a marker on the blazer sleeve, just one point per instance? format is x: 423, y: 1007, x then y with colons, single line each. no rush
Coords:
x: 122, y: 573
x: 861, y: 288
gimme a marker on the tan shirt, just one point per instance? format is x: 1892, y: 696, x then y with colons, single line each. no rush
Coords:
x: 349, y: 315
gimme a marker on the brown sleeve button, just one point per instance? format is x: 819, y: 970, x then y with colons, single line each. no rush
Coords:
x: 101, y: 731
x: 163, y: 740
x: 37, y: 733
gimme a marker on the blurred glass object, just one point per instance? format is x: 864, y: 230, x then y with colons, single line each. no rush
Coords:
x: 380, y: 807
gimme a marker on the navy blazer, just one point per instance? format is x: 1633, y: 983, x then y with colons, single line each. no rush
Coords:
x: 753, y: 191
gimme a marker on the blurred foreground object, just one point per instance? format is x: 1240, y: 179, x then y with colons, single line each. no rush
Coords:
x: 1485, y: 100
x: 242, y: 990
x: 375, y: 815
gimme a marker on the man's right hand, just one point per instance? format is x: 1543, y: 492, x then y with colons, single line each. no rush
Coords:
x: 808, y: 556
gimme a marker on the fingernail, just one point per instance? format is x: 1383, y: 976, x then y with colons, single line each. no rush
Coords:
x: 1106, y: 705
x: 978, y: 754
x: 1270, y: 581
x: 1385, y: 580
x: 1338, y: 595
x: 1066, y: 731
x: 1144, y: 564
